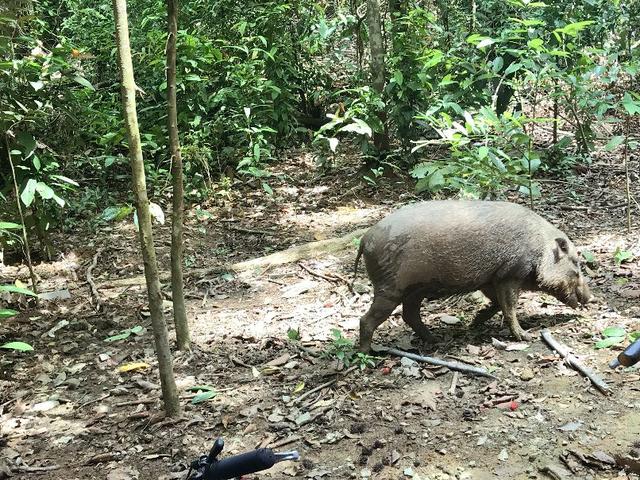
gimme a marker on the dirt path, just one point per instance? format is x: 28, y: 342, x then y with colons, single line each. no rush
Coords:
x: 67, y: 406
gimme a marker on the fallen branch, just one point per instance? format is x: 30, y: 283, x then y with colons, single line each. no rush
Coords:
x: 289, y: 255
x: 573, y: 362
x: 455, y: 366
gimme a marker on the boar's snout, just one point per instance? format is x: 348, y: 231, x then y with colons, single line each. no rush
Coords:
x: 583, y: 292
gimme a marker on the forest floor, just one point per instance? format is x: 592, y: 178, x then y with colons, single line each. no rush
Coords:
x: 67, y: 409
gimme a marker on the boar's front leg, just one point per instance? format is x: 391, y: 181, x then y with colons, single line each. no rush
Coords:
x: 507, y: 296
x: 379, y: 311
x: 411, y: 316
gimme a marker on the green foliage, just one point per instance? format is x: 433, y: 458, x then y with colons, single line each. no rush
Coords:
x: 343, y: 350
x: 486, y: 153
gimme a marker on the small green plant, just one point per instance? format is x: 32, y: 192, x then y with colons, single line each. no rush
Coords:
x: 376, y: 173
x: 621, y: 256
x: 614, y: 336
x: 343, y: 350
x: 589, y: 258
x: 8, y: 313
x: 293, y: 334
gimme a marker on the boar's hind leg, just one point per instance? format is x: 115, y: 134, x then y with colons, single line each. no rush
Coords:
x: 507, y: 296
x: 490, y: 310
x: 379, y: 311
x: 411, y: 316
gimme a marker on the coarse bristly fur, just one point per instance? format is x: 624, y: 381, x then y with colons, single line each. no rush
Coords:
x: 437, y: 248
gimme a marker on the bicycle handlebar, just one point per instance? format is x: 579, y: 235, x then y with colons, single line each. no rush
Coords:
x: 245, y: 463
x: 208, y: 467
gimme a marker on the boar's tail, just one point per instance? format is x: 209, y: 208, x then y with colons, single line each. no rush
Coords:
x: 355, y: 266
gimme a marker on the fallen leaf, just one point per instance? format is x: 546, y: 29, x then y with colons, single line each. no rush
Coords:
x: 128, y: 367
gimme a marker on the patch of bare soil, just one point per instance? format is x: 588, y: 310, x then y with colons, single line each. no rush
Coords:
x: 67, y: 410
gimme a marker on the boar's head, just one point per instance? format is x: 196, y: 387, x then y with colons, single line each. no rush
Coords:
x: 560, y: 274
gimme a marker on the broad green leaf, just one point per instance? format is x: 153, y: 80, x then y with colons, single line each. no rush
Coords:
x: 631, y: 105
x: 621, y: 256
x: 514, y: 67
x: 14, y: 289
x: 436, y: 180
x: 27, y: 142
x: 204, y: 396
x: 267, y: 188
x: 497, y: 64
x: 19, y: 346
x: 64, y: 179
x: 45, y: 191
x: 573, y: 29
x: 121, y: 336
x: 483, y: 152
x: 614, y: 142
x: 358, y: 126
x: 608, y: 342
x: 10, y: 226
x: 7, y: 313
x: 613, y: 332
x: 497, y: 162
x: 633, y: 336
x: 398, y: 77
x: 29, y: 192
x: 83, y: 81
x: 535, y: 43
x: 200, y: 388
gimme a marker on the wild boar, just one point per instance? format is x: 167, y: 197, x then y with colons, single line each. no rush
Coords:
x: 440, y: 248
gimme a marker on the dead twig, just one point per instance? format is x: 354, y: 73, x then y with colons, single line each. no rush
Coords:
x: 137, y: 402
x: 573, y: 362
x: 437, y: 361
x: 249, y: 230
x: 92, y: 285
x: 48, y: 468
x: 317, y: 274
x: 103, y: 458
x: 320, y: 387
x: 574, y: 207
x: 454, y: 383
x: 98, y: 399
x: 552, y: 472
x: 285, y: 441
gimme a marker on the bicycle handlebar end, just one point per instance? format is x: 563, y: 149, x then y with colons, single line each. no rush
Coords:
x: 293, y: 455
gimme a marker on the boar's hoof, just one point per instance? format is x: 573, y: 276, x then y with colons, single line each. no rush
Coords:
x: 521, y: 334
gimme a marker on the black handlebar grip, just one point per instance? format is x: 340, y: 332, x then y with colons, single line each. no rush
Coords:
x: 242, y: 464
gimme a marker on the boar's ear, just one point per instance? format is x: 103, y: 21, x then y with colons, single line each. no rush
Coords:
x: 563, y: 245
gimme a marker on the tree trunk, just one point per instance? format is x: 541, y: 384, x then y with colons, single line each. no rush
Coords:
x: 376, y: 46
x: 177, y: 282
x: 128, y: 92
